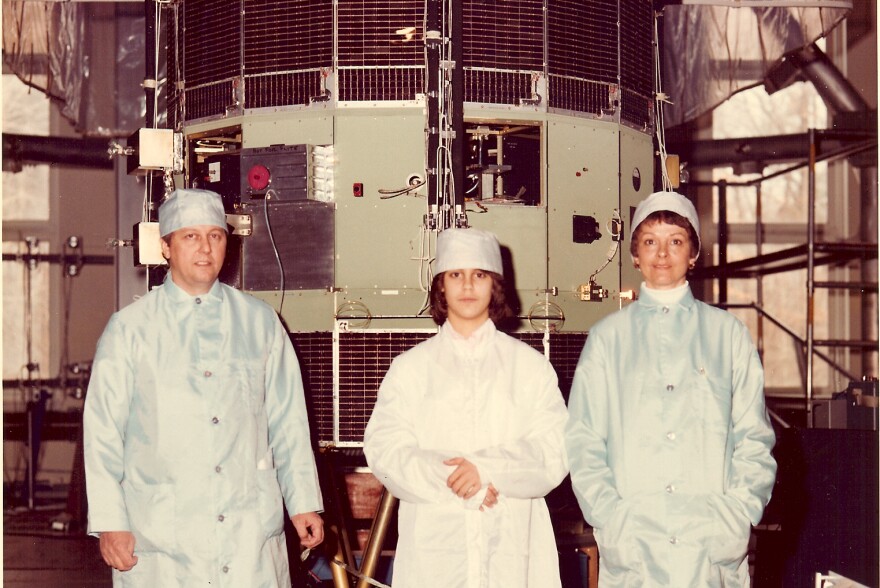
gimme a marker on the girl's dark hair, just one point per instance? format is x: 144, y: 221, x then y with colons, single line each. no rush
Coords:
x: 670, y: 218
x: 499, y: 309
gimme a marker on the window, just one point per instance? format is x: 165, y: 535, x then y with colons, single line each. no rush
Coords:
x: 25, y: 313
x: 25, y: 192
x: 783, y: 213
x: 25, y: 203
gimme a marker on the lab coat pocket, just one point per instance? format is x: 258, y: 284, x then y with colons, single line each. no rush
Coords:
x: 151, y: 569
x: 251, y: 378
x: 506, y: 527
x: 270, y: 503
x: 617, y: 545
x: 151, y: 517
x: 730, y: 540
x: 717, y: 394
x: 439, y: 529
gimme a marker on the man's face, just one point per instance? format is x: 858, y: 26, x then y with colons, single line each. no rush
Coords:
x: 195, y: 255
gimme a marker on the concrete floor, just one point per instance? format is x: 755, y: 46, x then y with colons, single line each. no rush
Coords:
x: 35, y: 555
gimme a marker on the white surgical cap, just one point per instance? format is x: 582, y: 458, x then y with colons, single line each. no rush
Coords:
x: 668, y: 201
x: 191, y: 207
x: 468, y: 249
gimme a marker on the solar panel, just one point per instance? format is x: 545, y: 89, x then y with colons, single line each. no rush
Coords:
x: 595, y: 57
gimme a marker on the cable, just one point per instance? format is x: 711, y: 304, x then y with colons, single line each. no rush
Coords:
x: 659, y: 99
x: 399, y: 192
x: 66, y: 296
x: 425, y: 273
x: 269, y: 193
x: 156, y: 44
x: 615, y: 245
x: 612, y: 251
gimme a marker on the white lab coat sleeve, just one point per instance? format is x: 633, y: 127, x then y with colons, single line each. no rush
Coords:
x: 105, y: 419
x: 587, y: 433
x: 391, y: 445
x: 535, y: 463
x: 753, y: 470
x: 289, y: 435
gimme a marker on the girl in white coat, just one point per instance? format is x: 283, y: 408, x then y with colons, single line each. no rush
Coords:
x: 467, y: 433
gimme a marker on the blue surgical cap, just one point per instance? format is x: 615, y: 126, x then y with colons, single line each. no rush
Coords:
x: 188, y: 207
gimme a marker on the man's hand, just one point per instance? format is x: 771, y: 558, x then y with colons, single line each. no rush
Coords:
x: 117, y: 549
x: 465, y: 480
x: 310, y: 528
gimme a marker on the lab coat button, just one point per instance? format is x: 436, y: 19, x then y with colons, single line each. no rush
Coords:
x: 198, y: 300
x: 221, y: 518
x: 671, y: 436
x: 670, y: 489
x: 218, y: 469
x: 665, y: 310
x: 225, y: 569
x: 702, y: 371
x: 215, y: 420
x: 208, y: 374
x: 673, y: 540
x: 670, y: 388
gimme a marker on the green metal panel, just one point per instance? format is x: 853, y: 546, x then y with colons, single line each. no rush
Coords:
x: 377, y: 238
x: 290, y: 128
x: 582, y: 170
x: 588, y: 166
x: 303, y: 311
x: 636, y: 153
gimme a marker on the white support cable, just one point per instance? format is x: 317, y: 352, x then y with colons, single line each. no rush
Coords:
x: 425, y: 258
x: 335, y: 347
x: 659, y: 99
x: 156, y: 44
x: 445, y: 106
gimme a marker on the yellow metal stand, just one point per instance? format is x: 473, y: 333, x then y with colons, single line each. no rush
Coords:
x: 377, y: 537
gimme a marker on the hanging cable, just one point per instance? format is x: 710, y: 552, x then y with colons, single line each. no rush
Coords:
x: 426, y: 275
x: 613, y: 228
x: 66, y: 297
x: 269, y: 194
x: 659, y: 99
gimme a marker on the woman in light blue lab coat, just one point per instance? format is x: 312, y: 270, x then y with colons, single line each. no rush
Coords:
x: 668, y: 436
x: 467, y: 433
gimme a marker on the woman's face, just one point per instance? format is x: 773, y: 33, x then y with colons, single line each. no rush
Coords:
x: 468, y: 294
x: 664, y: 254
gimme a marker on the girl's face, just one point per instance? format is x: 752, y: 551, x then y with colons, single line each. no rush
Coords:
x: 664, y: 254
x: 468, y: 293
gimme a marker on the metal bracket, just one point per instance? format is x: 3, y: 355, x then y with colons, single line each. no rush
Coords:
x: 242, y: 224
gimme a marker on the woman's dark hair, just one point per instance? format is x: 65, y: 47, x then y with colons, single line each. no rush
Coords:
x: 498, y: 307
x: 670, y: 218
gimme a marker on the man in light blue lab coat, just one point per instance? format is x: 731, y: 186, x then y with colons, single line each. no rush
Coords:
x: 195, y: 425
x: 668, y: 436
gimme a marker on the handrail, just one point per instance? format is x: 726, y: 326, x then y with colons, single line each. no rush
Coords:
x: 831, y: 363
